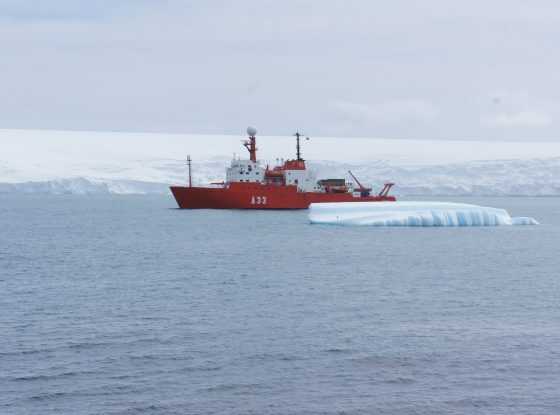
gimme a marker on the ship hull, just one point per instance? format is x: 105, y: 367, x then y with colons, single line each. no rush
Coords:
x: 259, y: 196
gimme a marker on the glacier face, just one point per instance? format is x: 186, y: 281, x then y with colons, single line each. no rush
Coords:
x: 477, y: 178
x: 85, y: 186
x: 517, y: 177
x: 95, y: 162
x: 412, y: 214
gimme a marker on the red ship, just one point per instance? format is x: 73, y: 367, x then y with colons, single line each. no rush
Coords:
x: 289, y: 186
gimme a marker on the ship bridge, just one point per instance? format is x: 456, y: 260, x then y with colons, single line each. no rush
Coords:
x: 245, y: 171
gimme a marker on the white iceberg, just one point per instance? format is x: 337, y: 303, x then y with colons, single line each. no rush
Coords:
x: 412, y: 214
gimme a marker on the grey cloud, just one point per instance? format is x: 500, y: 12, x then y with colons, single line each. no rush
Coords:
x: 64, y: 10
x: 408, y: 69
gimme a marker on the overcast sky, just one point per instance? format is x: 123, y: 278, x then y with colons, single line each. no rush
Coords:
x: 397, y: 69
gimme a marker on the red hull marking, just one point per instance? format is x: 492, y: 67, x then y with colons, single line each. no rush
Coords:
x: 259, y: 196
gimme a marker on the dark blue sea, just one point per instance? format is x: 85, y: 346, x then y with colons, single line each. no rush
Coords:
x: 126, y: 305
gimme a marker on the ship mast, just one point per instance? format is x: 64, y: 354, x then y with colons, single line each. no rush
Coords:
x: 298, y: 147
x: 251, y: 143
x: 189, y: 164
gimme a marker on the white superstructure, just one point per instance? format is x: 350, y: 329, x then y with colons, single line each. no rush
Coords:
x: 245, y: 171
x: 305, y: 180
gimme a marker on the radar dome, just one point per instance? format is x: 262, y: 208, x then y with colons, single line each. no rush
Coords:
x: 252, y: 131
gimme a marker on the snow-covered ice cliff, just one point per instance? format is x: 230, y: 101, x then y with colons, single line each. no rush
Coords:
x: 96, y: 162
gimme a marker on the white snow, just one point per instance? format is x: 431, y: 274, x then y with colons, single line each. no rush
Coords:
x: 82, y: 186
x: 91, y: 162
x: 412, y: 214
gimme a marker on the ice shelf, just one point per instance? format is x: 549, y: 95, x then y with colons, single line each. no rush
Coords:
x: 412, y: 214
x: 82, y: 162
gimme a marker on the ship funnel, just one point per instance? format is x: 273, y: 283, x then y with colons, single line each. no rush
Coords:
x: 252, y: 131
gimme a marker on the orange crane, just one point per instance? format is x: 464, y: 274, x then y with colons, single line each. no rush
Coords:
x: 364, y: 191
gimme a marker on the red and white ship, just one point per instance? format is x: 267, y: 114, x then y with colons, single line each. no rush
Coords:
x: 248, y: 185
